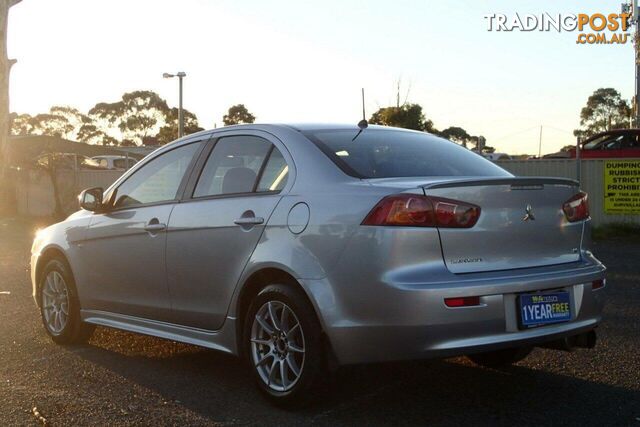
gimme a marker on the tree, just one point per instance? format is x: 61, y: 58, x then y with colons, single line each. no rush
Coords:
x: 74, y: 118
x: 61, y: 121
x: 605, y: 110
x: 169, y: 131
x: 458, y: 135
x: 91, y: 134
x: 22, y: 124
x: 51, y: 163
x: 137, y: 115
x: 51, y: 124
x: 5, y: 70
x: 488, y: 149
x: 128, y: 143
x: 408, y: 116
x: 238, y: 114
x: 567, y: 148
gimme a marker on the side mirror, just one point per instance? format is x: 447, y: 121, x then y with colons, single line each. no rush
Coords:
x: 91, y: 199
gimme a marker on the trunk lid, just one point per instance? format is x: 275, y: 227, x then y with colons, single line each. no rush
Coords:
x: 502, y: 239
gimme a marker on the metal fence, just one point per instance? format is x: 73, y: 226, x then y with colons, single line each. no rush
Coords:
x: 34, y: 192
x: 35, y: 195
x: 591, y: 181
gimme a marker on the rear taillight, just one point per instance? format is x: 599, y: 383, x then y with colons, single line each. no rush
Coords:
x: 577, y: 207
x: 422, y: 211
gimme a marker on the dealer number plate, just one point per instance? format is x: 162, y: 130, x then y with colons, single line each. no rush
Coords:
x: 543, y: 309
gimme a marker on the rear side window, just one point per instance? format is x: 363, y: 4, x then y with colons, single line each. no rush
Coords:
x: 233, y: 166
x: 275, y: 173
x: 123, y: 163
x: 381, y: 153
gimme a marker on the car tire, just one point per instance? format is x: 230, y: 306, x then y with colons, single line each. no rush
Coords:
x: 285, y: 355
x: 500, y: 358
x: 60, y: 306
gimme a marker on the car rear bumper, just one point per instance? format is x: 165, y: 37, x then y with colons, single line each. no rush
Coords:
x: 401, y: 321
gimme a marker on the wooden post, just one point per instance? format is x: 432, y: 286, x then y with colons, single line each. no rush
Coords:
x: 5, y: 69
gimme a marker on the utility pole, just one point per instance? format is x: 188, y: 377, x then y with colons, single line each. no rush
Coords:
x: 540, y: 144
x: 5, y: 70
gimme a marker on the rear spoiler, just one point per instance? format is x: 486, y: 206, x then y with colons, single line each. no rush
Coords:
x: 519, y: 183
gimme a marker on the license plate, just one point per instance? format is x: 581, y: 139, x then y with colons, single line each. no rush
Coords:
x: 543, y: 309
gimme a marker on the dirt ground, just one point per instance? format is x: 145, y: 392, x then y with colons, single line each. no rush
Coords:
x: 122, y: 379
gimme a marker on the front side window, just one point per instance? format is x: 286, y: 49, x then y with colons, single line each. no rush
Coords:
x: 158, y: 180
x: 233, y: 166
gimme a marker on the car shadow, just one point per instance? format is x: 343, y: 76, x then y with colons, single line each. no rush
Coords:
x: 219, y: 388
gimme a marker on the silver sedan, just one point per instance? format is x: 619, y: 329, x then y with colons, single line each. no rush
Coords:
x: 307, y: 246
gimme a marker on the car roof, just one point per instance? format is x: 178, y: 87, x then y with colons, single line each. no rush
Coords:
x: 268, y: 127
x: 300, y: 127
x: 315, y: 127
x: 614, y: 132
x: 109, y: 156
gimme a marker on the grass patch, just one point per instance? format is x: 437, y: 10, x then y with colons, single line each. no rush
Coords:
x: 616, y: 231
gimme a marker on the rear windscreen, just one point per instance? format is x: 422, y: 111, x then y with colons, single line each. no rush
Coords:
x: 378, y: 153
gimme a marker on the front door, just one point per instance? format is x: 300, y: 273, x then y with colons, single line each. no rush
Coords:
x: 213, y: 233
x: 125, y: 247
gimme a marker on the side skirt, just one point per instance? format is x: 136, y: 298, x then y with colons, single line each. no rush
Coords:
x: 222, y: 340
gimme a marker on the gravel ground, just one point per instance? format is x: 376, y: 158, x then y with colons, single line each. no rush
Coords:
x: 123, y: 379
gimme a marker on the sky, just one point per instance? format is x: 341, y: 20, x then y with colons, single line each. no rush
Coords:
x: 306, y: 61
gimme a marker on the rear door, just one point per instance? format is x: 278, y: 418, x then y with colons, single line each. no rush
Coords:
x: 521, y: 224
x: 215, y: 229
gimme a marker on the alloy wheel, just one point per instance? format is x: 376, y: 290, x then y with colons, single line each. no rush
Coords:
x: 277, y: 346
x: 55, y: 302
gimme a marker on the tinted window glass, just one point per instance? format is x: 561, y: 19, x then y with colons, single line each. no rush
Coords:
x: 158, y: 180
x: 378, y: 153
x: 233, y: 166
x: 275, y: 174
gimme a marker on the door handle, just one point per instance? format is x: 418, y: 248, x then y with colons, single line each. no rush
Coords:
x: 153, y: 226
x: 249, y: 221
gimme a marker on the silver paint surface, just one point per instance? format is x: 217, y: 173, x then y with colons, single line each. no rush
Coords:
x: 377, y: 291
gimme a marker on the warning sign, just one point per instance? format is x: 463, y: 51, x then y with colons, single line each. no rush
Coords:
x: 622, y: 186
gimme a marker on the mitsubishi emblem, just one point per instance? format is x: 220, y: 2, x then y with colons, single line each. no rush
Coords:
x: 529, y: 214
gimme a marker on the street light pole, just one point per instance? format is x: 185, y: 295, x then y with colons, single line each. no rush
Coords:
x: 180, y: 75
x: 180, y: 112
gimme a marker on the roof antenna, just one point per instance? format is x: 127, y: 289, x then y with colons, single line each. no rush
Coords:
x: 362, y: 124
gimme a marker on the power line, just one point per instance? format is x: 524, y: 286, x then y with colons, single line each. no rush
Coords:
x: 515, y: 133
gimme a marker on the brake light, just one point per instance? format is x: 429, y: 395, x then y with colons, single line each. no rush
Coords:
x: 422, y: 211
x: 598, y: 284
x: 577, y: 207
